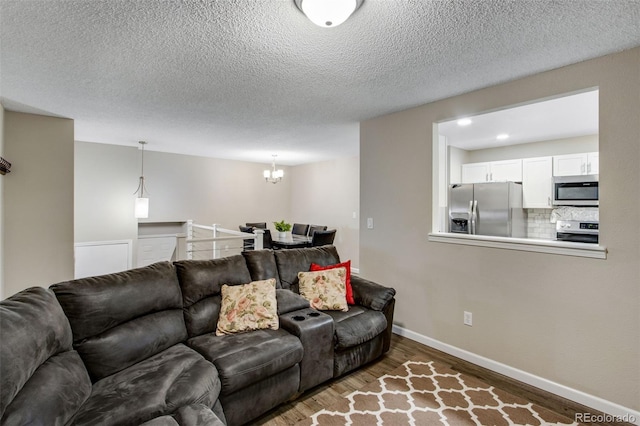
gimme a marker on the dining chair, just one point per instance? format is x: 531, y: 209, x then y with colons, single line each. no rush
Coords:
x: 247, y: 244
x: 261, y: 225
x: 300, y: 229
x: 321, y: 238
x: 314, y: 228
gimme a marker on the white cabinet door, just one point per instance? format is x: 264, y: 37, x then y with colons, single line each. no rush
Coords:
x: 508, y: 170
x: 475, y: 172
x: 570, y: 164
x: 593, y: 163
x: 537, y: 182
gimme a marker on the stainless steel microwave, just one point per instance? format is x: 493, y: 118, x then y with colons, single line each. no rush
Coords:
x: 581, y: 190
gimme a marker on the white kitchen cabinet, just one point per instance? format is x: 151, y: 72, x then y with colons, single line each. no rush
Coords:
x: 507, y: 170
x: 593, y: 163
x: 537, y: 182
x: 475, y: 172
x: 494, y: 171
x: 586, y: 163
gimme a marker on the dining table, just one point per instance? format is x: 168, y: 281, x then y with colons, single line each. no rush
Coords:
x: 290, y: 241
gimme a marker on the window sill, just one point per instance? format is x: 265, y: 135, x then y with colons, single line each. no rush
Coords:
x: 563, y: 248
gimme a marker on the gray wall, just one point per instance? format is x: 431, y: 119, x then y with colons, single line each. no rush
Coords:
x: 573, y: 321
x: 37, y: 201
x: 327, y: 193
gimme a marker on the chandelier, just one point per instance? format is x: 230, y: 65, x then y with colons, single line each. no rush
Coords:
x: 273, y: 175
x: 142, y: 202
x: 328, y: 13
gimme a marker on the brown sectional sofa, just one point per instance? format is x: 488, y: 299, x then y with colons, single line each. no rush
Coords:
x: 139, y: 347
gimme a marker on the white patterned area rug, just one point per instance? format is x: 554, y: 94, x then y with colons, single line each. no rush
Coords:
x: 431, y: 393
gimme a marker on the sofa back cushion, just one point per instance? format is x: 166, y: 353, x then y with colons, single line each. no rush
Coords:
x: 123, y: 318
x: 201, y: 282
x: 292, y: 261
x: 262, y: 265
x: 37, y: 362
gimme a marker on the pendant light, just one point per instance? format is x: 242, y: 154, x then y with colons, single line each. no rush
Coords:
x: 142, y: 202
x: 273, y: 175
x: 328, y: 13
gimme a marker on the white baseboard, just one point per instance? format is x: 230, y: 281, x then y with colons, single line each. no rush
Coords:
x: 597, y: 403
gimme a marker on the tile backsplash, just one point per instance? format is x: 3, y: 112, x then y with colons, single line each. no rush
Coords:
x: 539, y: 224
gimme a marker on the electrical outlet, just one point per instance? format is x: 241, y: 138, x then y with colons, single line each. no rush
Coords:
x: 468, y: 318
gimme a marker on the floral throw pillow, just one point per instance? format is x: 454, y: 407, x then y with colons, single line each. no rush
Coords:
x: 248, y: 307
x: 347, y: 264
x: 325, y: 290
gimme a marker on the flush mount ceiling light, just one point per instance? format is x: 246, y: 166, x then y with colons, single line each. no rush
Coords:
x: 502, y: 136
x: 142, y: 202
x: 464, y: 122
x: 273, y: 175
x: 328, y: 13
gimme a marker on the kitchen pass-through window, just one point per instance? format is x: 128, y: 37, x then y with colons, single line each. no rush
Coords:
x: 496, y: 177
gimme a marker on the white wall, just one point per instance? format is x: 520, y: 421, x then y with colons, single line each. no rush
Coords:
x: 568, y: 320
x: 37, y: 201
x: 180, y: 187
x: 327, y: 193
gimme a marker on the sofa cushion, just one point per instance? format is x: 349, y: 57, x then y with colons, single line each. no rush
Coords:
x: 357, y: 326
x: 262, y: 265
x: 60, y: 386
x: 37, y: 362
x: 123, y: 318
x: 246, y: 358
x: 292, y: 261
x: 325, y: 290
x: 157, y: 386
x: 247, y: 307
x: 289, y: 301
x: 190, y: 415
x: 201, y: 282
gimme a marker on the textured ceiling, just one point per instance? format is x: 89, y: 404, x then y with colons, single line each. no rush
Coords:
x: 245, y: 79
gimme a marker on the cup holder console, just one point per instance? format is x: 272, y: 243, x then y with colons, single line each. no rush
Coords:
x: 302, y: 317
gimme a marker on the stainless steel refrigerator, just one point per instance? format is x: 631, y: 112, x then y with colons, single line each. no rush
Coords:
x: 493, y: 208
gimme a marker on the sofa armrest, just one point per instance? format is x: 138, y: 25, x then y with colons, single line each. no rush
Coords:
x: 288, y: 301
x: 371, y: 295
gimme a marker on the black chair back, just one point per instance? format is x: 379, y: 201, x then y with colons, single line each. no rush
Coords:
x: 247, y: 244
x: 322, y: 238
x: 261, y: 225
x: 314, y: 228
x: 267, y: 241
x: 300, y: 229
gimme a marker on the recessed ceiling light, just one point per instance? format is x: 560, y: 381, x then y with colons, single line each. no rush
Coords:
x: 464, y: 122
x: 502, y: 136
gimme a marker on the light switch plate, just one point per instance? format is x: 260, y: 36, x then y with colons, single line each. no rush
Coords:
x: 369, y: 223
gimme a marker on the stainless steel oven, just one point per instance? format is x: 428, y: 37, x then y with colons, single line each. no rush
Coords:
x: 579, y: 190
x: 577, y: 231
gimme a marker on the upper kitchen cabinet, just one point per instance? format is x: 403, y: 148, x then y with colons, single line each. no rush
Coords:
x: 494, y: 171
x: 536, y: 182
x: 576, y: 164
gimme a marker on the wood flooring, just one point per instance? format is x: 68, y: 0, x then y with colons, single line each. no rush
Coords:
x: 403, y: 349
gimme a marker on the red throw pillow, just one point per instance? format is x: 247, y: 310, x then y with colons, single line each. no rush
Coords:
x: 347, y: 265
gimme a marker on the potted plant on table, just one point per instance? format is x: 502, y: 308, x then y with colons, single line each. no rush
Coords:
x: 282, y: 227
